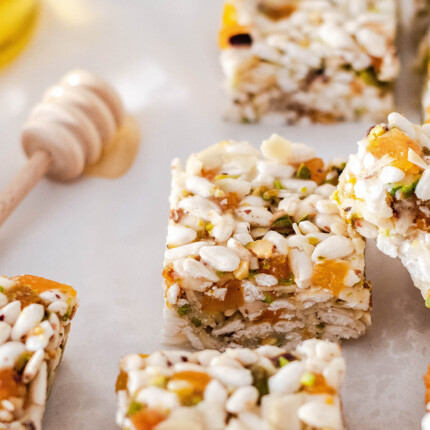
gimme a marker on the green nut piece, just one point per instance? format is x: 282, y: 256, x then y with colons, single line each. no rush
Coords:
x: 375, y: 132
x: 283, y: 361
x: 308, y: 380
x: 184, y: 309
x: 278, y: 185
x: 303, y: 172
x: 268, y: 298
x: 134, y: 408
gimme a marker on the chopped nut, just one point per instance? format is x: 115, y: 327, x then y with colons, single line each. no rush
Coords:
x: 242, y: 271
x: 303, y: 172
x: 219, y: 193
x: 376, y: 131
x: 262, y: 248
x: 282, y: 223
x: 308, y: 380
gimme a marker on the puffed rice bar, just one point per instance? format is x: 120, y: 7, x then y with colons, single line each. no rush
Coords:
x: 384, y: 192
x: 257, y: 253
x: 322, y: 61
x: 240, y: 389
x: 35, y: 316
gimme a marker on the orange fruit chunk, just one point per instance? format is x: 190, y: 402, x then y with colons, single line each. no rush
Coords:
x: 320, y: 386
x: 427, y: 118
x: 330, y: 274
x: 147, y: 419
x: 198, y: 380
x: 229, y: 201
x: 24, y: 294
x: 270, y: 316
x: 40, y: 285
x: 169, y: 275
x: 226, y: 33
x: 229, y: 15
x: 230, y: 26
x: 277, y: 266
x: 396, y: 145
x: 10, y: 384
x: 210, y: 174
x: 427, y: 384
x: 121, y: 381
x: 422, y: 221
x: 233, y: 299
x: 317, y: 169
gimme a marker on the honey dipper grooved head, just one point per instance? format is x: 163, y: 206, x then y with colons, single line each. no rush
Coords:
x: 74, y: 121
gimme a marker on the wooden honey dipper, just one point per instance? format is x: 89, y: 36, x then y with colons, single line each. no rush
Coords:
x: 64, y: 134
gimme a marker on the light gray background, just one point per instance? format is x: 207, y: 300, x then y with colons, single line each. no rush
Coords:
x: 107, y: 237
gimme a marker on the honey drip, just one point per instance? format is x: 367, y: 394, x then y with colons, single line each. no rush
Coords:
x: 119, y: 154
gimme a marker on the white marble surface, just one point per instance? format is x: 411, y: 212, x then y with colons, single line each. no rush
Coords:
x: 107, y: 237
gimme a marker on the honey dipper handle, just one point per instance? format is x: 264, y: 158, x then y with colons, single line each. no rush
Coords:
x: 26, y: 179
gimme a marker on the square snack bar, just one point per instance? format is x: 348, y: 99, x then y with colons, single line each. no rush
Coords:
x: 309, y: 60
x: 384, y: 192
x: 257, y: 253
x: 35, y: 316
x: 240, y: 389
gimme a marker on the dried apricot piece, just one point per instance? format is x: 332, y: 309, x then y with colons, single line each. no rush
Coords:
x: 330, y: 274
x: 317, y: 169
x: 40, y: 285
x: 232, y: 300
x: 147, y: 419
x: 169, y: 275
x: 270, y: 316
x: 121, y: 381
x: 210, y: 174
x: 277, y: 266
x: 427, y: 384
x: 396, y: 145
x: 24, y: 294
x: 316, y: 384
x: 199, y: 380
x: 231, y: 27
x: 427, y: 116
x: 229, y: 201
x: 10, y: 384
x: 229, y: 15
